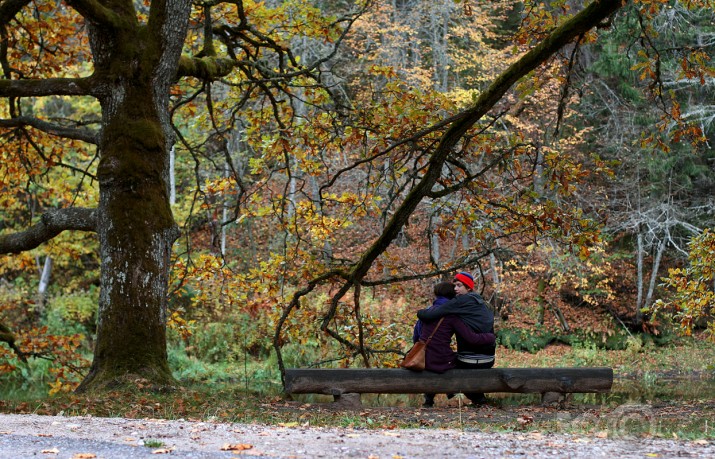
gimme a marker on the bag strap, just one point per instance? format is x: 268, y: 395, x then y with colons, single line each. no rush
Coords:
x: 434, y: 331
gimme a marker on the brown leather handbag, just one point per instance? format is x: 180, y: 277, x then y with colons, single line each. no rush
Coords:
x: 415, y: 358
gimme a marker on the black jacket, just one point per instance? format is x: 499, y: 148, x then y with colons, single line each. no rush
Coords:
x: 473, y: 310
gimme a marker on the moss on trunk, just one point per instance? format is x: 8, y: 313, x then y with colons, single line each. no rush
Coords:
x: 136, y: 230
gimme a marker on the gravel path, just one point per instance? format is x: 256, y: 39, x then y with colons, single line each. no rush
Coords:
x: 25, y: 436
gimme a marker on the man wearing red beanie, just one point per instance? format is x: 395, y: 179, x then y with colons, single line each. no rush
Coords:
x: 466, y: 279
x: 474, y: 311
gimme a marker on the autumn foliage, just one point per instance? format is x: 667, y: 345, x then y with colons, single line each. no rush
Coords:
x: 329, y: 164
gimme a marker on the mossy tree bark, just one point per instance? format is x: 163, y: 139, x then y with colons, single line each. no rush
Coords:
x: 135, y: 224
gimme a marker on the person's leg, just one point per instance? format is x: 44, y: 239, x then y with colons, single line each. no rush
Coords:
x: 477, y: 398
x: 429, y: 401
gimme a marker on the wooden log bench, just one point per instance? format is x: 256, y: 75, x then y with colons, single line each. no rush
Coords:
x: 552, y: 383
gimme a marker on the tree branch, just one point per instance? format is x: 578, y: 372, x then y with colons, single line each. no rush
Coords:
x: 48, y: 87
x: 205, y: 68
x: 84, y: 135
x: 9, y: 8
x: 96, y: 13
x: 52, y: 223
x: 8, y: 337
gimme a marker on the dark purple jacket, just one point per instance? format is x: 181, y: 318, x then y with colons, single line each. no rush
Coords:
x: 438, y: 301
x: 439, y: 356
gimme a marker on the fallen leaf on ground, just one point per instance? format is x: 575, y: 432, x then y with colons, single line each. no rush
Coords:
x: 50, y: 451
x: 236, y: 447
x: 84, y: 456
x: 288, y: 424
x: 525, y: 420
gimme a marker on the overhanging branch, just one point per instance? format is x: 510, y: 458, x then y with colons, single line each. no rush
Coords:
x: 589, y: 17
x: 48, y: 87
x: 52, y: 223
x: 84, y: 135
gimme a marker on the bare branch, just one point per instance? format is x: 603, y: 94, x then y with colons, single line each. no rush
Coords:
x: 48, y: 87
x: 8, y: 337
x: 84, y: 135
x: 52, y: 223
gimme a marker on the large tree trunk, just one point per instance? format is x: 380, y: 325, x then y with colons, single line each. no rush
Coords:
x: 136, y: 230
x: 135, y: 224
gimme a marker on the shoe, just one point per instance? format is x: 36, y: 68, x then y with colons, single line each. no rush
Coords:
x: 429, y: 401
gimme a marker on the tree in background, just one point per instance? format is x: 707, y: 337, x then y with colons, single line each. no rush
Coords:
x: 693, y: 287
x: 662, y: 198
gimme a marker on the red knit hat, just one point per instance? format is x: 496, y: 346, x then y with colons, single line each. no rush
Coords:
x: 466, y: 279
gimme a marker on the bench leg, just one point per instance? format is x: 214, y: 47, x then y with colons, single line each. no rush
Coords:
x: 349, y: 400
x: 548, y: 398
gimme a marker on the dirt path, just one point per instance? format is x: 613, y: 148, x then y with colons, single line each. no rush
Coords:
x: 88, y: 437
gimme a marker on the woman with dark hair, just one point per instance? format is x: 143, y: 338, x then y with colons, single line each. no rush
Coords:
x: 443, y: 292
x: 439, y: 356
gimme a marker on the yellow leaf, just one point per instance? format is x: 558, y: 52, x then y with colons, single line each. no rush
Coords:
x: 236, y: 447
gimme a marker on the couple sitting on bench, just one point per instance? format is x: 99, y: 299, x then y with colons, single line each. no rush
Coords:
x: 464, y: 313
